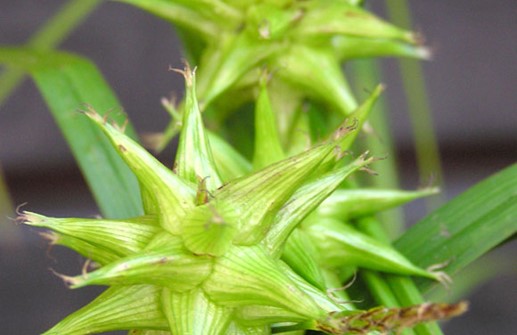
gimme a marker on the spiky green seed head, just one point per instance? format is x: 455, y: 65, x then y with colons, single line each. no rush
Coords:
x: 216, y: 257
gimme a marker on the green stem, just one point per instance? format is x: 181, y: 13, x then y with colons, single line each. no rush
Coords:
x: 379, y: 289
x: 382, y: 293
x: 407, y: 294
x: 403, y: 288
x: 427, y: 152
x: 6, y: 207
x: 8, y: 231
x: 48, y: 37
x: 395, y: 289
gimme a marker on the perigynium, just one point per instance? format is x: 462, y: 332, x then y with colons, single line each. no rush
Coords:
x: 304, y: 43
x: 219, y: 253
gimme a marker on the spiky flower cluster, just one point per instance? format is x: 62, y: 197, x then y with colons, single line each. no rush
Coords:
x: 243, y: 255
x: 304, y: 43
x: 232, y: 246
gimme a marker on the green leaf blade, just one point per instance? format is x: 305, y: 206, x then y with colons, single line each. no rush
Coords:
x: 467, y: 227
x: 66, y: 83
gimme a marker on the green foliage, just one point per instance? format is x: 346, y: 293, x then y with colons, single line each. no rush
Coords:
x: 67, y: 82
x: 226, y: 245
x: 483, y: 217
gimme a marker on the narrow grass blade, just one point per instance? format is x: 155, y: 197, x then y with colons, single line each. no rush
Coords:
x: 55, y: 30
x: 408, y: 294
x: 366, y: 74
x: 465, y: 228
x: 404, y: 289
x: 67, y: 82
x: 8, y: 232
x: 180, y: 13
x: 426, y: 145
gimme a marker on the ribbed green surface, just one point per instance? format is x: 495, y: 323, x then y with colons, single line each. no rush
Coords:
x: 465, y: 228
x: 132, y: 307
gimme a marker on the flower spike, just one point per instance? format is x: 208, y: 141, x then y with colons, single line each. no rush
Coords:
x: 125, y: 307
x: 194, y: 156
x: 164, y: 193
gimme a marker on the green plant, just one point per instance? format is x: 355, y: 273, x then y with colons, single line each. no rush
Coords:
x: 244, y: 241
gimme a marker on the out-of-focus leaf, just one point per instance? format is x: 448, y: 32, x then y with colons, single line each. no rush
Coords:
x: 185, y: 15
x: 338, y: 18
x: 466, y: 227
x: 418, y: 105
x: 52, y: 33
x: 67, y: 82
x: 230, y: 163
x: 8, y: 232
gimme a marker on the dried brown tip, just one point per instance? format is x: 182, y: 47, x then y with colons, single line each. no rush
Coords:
x: 265, y: 76
x: 169, y: 104
x: 51, y: 237
x: 441, y: 276
x: 28, y: 218
x: 345, y: 128
x: 331, y: 292
x: 387, y: 320
x: 418, y: 37
x: 69, y: 281
x: 456, y: 309
x: 187, y: 72
x: 18, y: 208
x: 369, y: 171
x: 121, y: 128
x: 92, y: 114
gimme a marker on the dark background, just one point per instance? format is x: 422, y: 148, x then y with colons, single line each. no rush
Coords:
x: 471, y: 83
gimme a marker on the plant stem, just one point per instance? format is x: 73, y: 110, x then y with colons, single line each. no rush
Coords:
x: 403, y: 288
x: 8, y: 231
x: 426, y: 147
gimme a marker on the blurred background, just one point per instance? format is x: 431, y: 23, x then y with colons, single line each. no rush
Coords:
x: 471, y: 84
